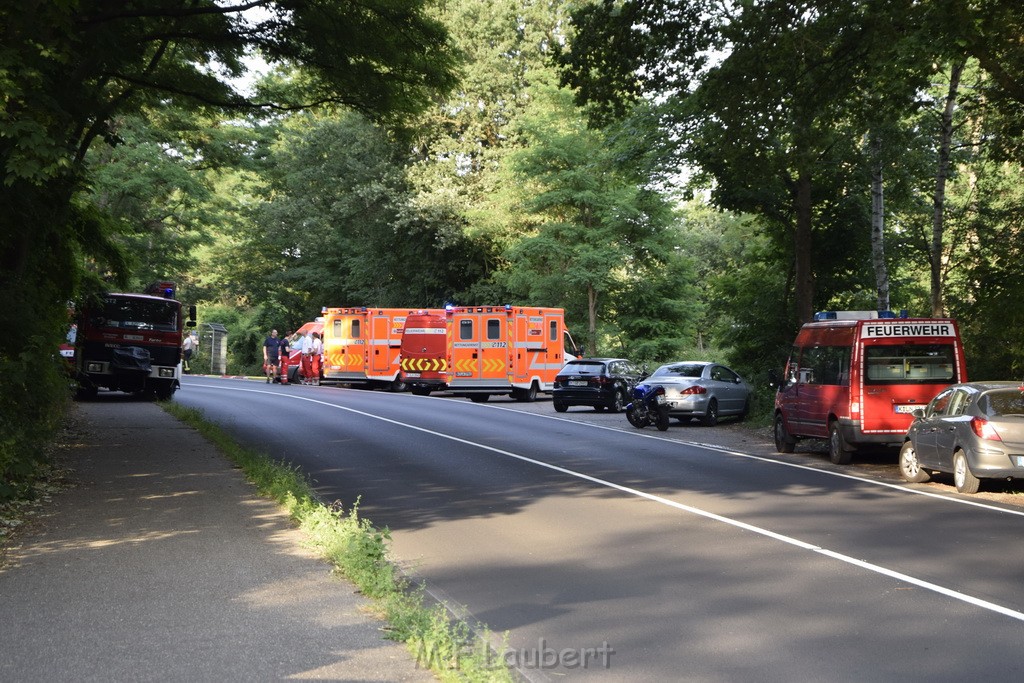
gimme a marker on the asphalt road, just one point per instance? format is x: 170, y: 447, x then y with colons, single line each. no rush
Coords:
x: 612, y: 554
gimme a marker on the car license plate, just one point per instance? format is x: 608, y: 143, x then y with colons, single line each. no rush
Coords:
x: 412, y: 374
x: 905, y: 409
x: 578, y: 383
x: 660, y: 399
x: 1019, y: 459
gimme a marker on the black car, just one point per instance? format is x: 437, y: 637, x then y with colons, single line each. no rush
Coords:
x: 598, y: 382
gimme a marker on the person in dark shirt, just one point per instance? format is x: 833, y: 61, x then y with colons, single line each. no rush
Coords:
x: 271, y: 355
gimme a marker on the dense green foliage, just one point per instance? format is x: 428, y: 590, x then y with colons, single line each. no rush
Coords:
x: 786, y: 110
x: 417, y: 181
x: 76, y: 75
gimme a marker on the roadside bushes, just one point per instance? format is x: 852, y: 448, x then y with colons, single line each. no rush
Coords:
x: 34, y: 397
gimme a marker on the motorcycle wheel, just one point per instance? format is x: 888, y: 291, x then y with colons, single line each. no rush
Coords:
x: 661, y: 421
x: 636, y: 417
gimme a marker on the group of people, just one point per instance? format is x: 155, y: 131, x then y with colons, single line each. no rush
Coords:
x: 311, y: 350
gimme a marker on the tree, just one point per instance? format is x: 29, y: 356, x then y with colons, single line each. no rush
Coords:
x: 593, y: 231
x: 70, y: 71
x: 340, y: 224
x: 984, y: 280
x: 158, y: 185
x: 771, y: 122
x: 462, y: 142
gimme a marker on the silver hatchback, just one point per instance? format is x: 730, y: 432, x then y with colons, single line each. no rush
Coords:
x: 974, y: 430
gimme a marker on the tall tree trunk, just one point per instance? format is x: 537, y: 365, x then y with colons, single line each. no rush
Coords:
x: 878, y: 224
x: 935, y: 252
x: 802, y: 249
x: 591, y: 320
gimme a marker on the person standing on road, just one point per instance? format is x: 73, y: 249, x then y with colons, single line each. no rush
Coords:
x: 188, y: 347
x: 283, y: 350
x: 271, y: 355
x: 317, y: 357
x: 306, y: 358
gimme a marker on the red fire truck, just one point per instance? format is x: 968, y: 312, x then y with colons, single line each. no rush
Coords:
x: 131, y: 343
x: 855, y: 378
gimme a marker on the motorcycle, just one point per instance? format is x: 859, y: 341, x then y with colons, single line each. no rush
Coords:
x: 648, y: 407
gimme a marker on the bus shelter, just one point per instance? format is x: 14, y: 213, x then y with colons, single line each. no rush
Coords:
x: 214, y: 339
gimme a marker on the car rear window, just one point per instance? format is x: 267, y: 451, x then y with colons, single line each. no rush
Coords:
x: 684, y: 370
x: 586, y: 368
x: 1000, y: 403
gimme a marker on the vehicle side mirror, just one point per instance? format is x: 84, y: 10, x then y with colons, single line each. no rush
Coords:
x: 918, y: 413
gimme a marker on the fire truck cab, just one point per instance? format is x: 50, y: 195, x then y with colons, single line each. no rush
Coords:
x: 855, y: 378
x: 131, y: 343
x: 477, y: 351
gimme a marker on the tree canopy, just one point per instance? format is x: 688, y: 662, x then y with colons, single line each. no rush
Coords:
x: 687, y: 178
x: 771, y: 100
x: 74, y: 73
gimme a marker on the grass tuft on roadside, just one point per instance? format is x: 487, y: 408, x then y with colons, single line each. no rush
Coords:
x: 359, y: 552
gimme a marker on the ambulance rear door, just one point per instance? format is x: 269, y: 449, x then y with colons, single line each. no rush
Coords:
x: 495, y: 345
x: 344, y: 345
x: 383, y: 342
x: 528, y: 342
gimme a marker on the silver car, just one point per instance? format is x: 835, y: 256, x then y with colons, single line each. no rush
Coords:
x: 702, y: 390
x: 974, y: 430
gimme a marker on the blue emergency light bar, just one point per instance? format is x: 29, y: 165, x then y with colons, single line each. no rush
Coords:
x: 859, y: 315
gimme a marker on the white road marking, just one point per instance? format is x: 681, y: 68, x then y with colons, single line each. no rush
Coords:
x: 781, y: 463
x: 878, y: 569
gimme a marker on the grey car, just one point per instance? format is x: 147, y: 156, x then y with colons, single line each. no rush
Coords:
x: 702, y: 390
x: 974, y: 430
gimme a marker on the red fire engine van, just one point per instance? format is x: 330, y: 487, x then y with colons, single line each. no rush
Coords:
x: 856, y: 377
x: 131, y: 343
x: 477, y: 351
x: 361, y: 345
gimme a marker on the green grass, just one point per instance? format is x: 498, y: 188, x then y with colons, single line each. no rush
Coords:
x: 447, y: 646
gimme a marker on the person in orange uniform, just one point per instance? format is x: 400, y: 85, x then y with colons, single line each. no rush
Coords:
x: 317, y: 357
x: 283, y: 351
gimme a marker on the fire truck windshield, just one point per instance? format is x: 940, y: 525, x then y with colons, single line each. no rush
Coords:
x: 140, y: 314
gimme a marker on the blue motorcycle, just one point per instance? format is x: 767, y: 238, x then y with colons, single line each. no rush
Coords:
x: 648, y: 407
